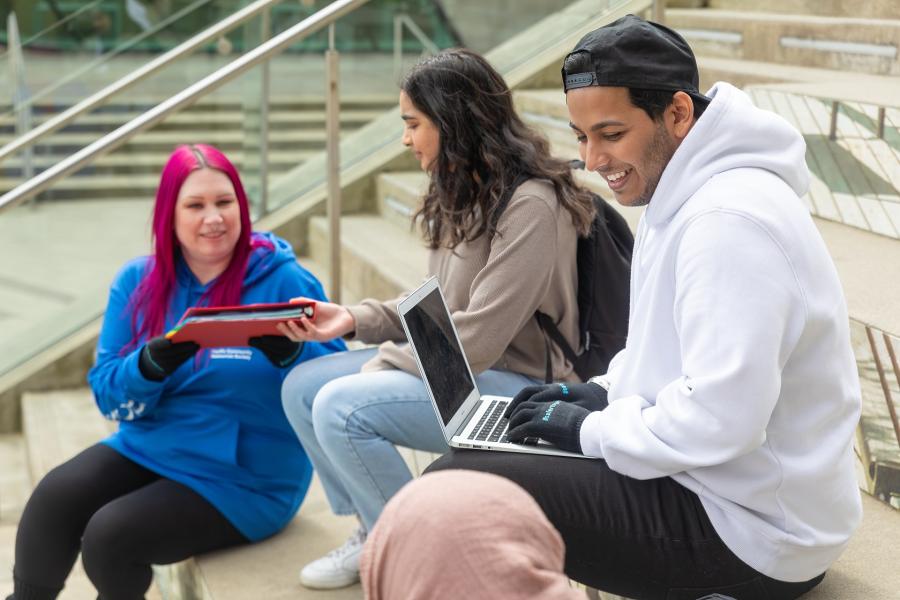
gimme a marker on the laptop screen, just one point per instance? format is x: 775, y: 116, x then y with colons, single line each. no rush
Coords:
x: 432, y: 334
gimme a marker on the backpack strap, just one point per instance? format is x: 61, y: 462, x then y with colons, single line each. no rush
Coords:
x: 548, y: 364
x: 550, y: 329
x: 544, y: 321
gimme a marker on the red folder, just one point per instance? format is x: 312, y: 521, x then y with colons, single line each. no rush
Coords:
x: 222, y: 326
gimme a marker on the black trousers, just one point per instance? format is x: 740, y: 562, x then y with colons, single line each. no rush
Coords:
x: 641, y: 539
x: 121, y: 516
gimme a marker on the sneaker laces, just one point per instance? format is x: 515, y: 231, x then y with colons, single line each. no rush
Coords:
x: 356, y: 539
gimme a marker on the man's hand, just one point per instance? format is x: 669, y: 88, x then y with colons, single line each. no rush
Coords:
x: 160, y: 357
x: 278, y: 349
x: 330, y: 321
x: 557, y: 422
x: 586, y: 395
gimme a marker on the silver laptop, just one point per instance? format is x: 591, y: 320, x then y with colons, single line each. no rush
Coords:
x: 469, y: 420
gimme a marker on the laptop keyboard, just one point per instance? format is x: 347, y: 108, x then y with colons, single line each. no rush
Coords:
x: 491, y: 427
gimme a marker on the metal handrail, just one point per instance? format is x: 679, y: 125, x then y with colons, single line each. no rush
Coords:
x: 399, y: 22
x: 113, y: 140
x: 105, y: 58
x: 55, y: 25
x: 139, y: 75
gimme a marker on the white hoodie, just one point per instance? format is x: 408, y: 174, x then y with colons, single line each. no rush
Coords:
x: 738, y: 379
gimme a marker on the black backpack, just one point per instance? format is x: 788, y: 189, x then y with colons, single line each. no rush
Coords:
x: 604, y: 279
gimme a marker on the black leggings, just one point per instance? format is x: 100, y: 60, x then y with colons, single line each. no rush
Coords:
x: 641, y: 539
x: 121, y: 516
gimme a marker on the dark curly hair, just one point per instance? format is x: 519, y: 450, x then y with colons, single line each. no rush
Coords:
x: 485, y: 149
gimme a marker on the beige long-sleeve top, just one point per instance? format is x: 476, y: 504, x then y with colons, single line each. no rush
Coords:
x: 493, y: 288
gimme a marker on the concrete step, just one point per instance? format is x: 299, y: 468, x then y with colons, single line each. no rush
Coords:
x: 78, y: 586
x: 166, y: 140
x: 378, y: 258
x: 842, y: 43
x: 863, y: 569
x: 874, y: 9
x: 400, y: 195
x: 7, y: 557
x: 97, y: 186
x: 58, y: 425
x: 743, y: 72
x: 231, y: 117
x: 151, y: 162
x: 15, y: 479
x: 289, y: 104
x: 269, y: 569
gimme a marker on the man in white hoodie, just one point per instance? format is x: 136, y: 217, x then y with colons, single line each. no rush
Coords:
x: 726, y: 432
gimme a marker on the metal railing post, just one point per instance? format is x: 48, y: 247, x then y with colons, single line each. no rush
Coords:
x: 659, y: 11
x: 400, y: 21
x: 264, y: 120
x: 832, y: 126
x: 427, y: 44
x: 332, y: 133
x: 19, y: 98
x: 398, y: 46
x: 882, y: 377
x: 888, y: 398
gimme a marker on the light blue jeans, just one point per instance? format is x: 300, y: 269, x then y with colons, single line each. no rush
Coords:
x: 349, y: 422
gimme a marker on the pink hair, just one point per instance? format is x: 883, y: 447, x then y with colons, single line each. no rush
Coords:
x: 150, y: 301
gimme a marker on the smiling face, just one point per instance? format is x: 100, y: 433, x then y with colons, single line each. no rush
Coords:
x: 420, y: 134
x: 622, y: 143
x: 207, y: 222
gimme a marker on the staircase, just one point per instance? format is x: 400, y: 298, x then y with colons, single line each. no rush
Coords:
x: 57, y: 426
x: 296, y: 132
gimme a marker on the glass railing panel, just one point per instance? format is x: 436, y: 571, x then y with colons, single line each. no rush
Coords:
x: 152, y: 146
x: 67, y: 243
x: 298, y: 73
x: 878, y: 442
x: 72, y: 49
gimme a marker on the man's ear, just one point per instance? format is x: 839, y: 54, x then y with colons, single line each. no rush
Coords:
x: 680, y: 115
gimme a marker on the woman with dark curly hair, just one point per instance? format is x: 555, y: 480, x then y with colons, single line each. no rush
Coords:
x: 501, y: 219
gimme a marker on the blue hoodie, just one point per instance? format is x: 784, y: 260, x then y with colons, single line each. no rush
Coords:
x: 216, y: 424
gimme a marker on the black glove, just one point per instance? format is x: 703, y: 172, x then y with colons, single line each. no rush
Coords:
x: 160, y: 357
x: 557, y: 422
x: 278, y: 349
x: 586, y: 395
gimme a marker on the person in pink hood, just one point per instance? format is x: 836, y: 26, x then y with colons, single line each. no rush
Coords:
x: 488, y: 539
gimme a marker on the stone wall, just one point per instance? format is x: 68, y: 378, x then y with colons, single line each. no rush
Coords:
x: 485, y: 24
x: 868, y: 9
x: 839, y: 43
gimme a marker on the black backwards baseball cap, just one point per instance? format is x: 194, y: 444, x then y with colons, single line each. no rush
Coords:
x: 633, y: 53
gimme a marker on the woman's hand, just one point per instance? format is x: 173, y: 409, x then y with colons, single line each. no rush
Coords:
x: 160, y: 357
x: 330, y: 321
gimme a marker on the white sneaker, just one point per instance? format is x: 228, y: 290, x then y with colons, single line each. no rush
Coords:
x: 339, y: 568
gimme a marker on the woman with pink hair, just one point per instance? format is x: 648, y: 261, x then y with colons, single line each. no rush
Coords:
x: 204, y: 457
